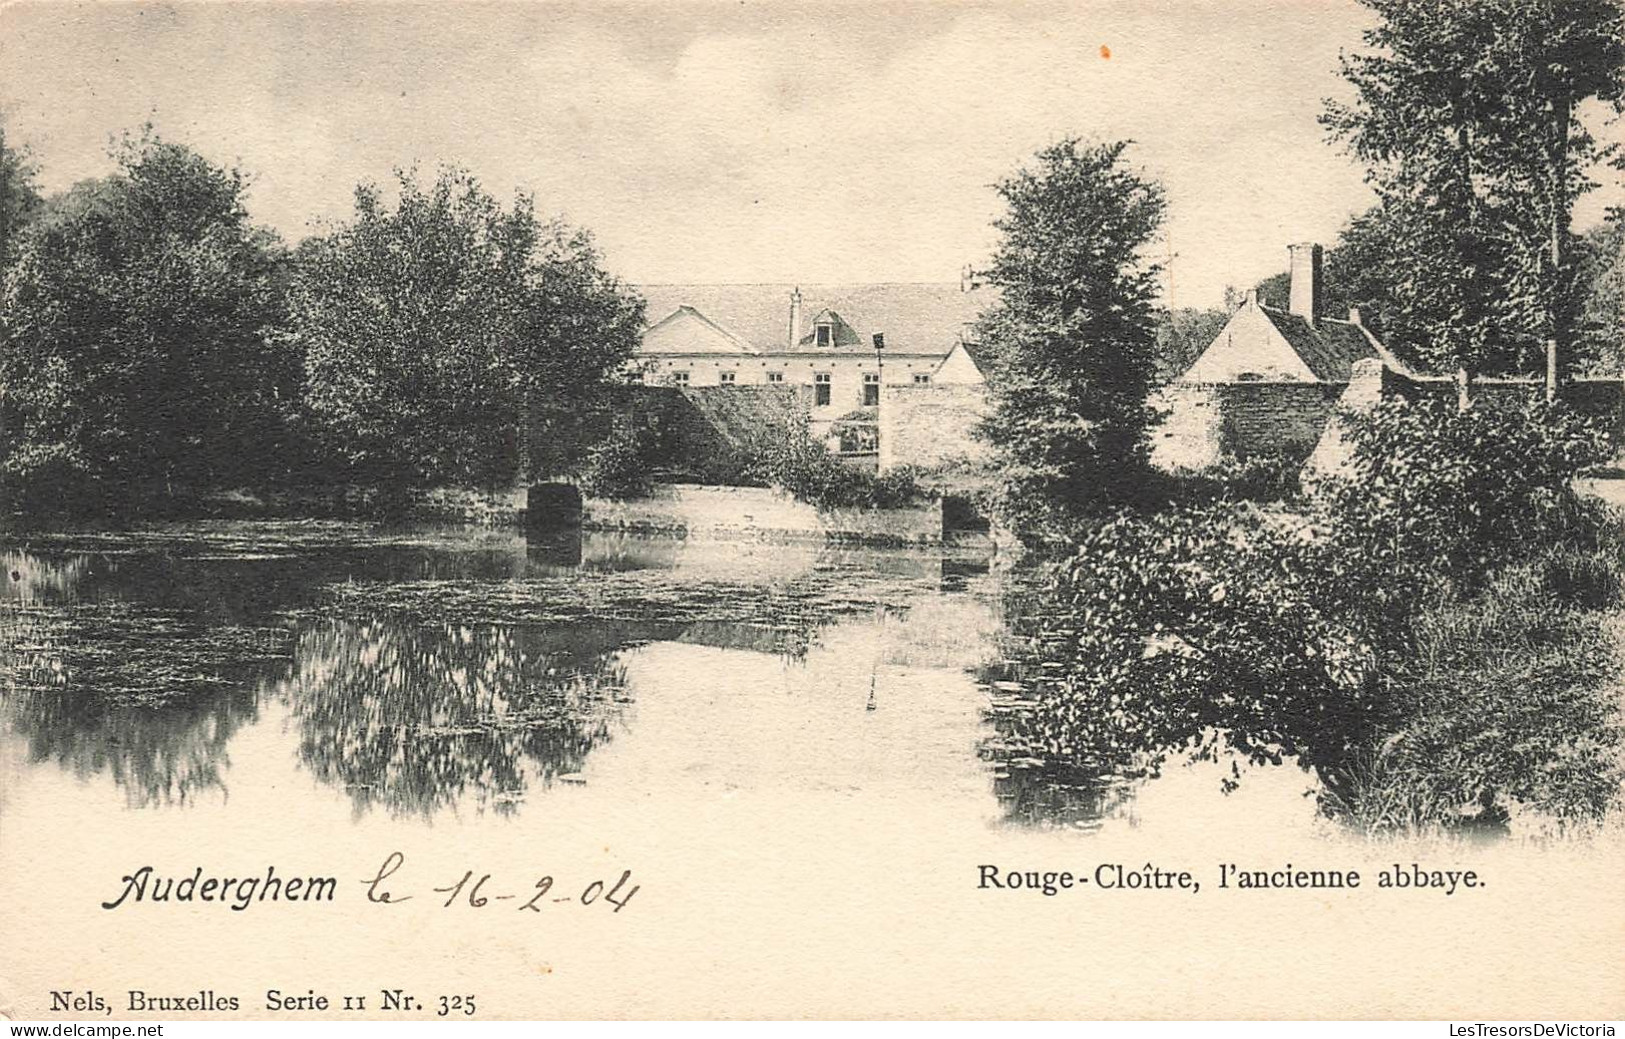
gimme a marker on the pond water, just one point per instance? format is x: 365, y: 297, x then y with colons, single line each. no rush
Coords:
x: 420, y: 676
x: 800, y: 757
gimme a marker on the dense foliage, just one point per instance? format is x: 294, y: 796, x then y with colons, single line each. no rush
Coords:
x: 786, y: 456
x: 1337, y: 636
x: 1440, y: 494
x: 435, y: 329
x: 1509, y: 702
x: 1172, y: 630
x: 19, y: 198
x: 1601, y: 347
x: 620, y: 462
x: 1071, y: 338
x: 1357, y: 272
x: 1181, y: 336
x: 1467, y: 116
x: 139, y: 351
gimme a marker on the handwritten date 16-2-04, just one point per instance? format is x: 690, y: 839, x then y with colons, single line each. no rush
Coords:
x: 481, y: 890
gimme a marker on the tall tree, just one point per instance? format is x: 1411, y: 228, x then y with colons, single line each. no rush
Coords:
x: 1467, y: 112
x: 1182, y: 335
x: 1072, y: 336
x: 19, y: 198
x: 432, y: 327
x: 139, y: 315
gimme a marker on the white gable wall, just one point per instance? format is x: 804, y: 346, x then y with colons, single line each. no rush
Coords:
x: 684, y: 331
x: 1249, y: 347
x: 958, y: 370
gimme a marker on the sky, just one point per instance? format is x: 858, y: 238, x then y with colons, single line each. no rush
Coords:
x: 726, y: 141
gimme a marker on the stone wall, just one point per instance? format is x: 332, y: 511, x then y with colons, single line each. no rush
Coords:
x: 1603, y: 400
x: 930, y: 425
x: 1599, y: 399
x: 1203, y: 422
x: 756, y: 513
x: 733, y: 415
x: 1369, y: 382
x: 688, y: 429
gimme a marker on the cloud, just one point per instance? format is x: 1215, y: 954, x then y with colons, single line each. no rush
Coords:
x: 738, y: 142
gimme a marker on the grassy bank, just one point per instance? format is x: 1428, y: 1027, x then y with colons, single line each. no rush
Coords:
x: 1513, y: 700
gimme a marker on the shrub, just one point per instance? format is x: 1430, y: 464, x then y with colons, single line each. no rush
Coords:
x: 1262, y: 477
x: 1509, y: 701
x: 47, y: 479
x: 1588, y: 579
x: 1434, y: 492
x: 787, y: 457
x: 1168, y: 631
x: 1422, y: 690
x: 1258, y: 478
x: 622, y: 463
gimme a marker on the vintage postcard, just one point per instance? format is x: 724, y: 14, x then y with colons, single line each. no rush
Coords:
x: 823, y: 510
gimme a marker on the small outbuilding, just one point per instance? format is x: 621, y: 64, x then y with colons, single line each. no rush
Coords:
x: 1270, y: 380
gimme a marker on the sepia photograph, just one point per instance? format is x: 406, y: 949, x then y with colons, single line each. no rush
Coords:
x: 812, y: 510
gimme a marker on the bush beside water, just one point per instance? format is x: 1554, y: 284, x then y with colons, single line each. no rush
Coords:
x: 783, y: 455
x: 1426, y: 633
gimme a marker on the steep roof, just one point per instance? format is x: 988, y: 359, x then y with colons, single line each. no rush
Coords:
x: 916, y: 317
x: 961, y: 367
x: 1329, y: 347
x: 686, y: 330
x: 1262, y: 342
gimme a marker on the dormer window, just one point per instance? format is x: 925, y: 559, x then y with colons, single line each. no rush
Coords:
x: 829, y: 331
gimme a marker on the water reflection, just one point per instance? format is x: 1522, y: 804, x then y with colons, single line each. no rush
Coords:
x: 149, y: 698
x: 429, y: 673
x: 1038, y: 783
x: 30, y: 578
x: 163, y: 756
x: 415, y: 719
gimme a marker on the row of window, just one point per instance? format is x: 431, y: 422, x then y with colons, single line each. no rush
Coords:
x: 822, y: 384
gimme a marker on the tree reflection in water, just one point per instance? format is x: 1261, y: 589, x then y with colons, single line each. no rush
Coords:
x: 418, y: 718
x: 1042, y: 789
x: 147, y: 697
x: 167, y: 756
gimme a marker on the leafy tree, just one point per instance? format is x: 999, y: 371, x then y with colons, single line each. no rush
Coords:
x: 1379, y: 619
x: 137, y: 347
x: 1602, y: 316
x: 1182, y: 335
x: 1356, y: 272
x: 431, y: 326
x: 1466, y: 112
x: 19, y: 199
x: 1433, y: 493
x: 1182, y: 630
x: 1072, y: 337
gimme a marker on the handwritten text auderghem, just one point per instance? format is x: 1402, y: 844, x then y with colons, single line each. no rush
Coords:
x: 238, y: 892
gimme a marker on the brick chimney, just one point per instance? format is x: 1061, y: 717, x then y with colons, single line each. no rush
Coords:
x: 795, y: 318
x: 1305, y: 273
